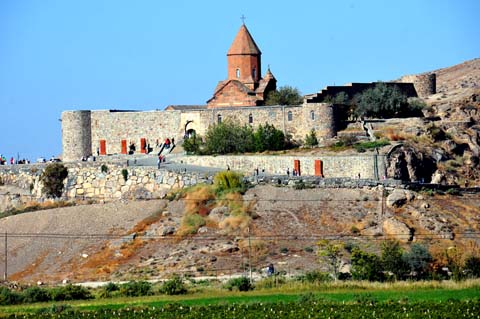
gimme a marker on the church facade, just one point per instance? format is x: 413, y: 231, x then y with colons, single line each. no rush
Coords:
x: 239, y: 98
x: 244, y: 86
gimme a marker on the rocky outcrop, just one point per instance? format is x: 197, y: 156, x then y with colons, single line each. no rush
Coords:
x: 398, y: 229
x: 399, y: 197
x: 407, y: 164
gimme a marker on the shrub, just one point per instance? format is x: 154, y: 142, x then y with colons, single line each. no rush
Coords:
x: 8, y: 297
x: 136, y: 289
x: 361, y: 147
x: 125, y: 174
x: 191, y: 223
x: 227, y: 180
x: 453, y: 191
x: 307, y: 298
x: 174, y: 286
x: 354, y: 229
x: 70, y: 292
x: 35, y: 294
x: 270, y: 282
x: 240, y: 284
x: 315, y: 276
x: 192, y: 144
x: 472, y: 267
x: 299, y: 185
x: 52, y: 179
x: 311, y: 139
x: 108, y: 289
x: 56, y: 309
x: 104, y: 168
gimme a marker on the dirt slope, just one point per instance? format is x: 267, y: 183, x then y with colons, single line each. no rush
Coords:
x: 288, y: 224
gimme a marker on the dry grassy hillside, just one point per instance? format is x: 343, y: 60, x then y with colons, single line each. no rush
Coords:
x: 286, y: 225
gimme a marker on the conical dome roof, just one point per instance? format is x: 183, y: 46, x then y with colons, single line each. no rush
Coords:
x: 243, y: 43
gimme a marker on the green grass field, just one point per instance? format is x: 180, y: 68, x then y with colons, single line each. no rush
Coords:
x: 331, y: 293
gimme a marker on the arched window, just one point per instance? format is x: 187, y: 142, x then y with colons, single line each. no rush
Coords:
x: 238, y: 73
x: 312, y: 115
x: 254, y: 73
x: 289, y: 116
x: 250, y: 118
x: 219, y: 118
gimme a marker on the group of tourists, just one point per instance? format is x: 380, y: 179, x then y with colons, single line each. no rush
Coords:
x: 12, y: 161
x: 167, y: 144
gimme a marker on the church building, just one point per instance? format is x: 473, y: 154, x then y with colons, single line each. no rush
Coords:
x: 244, y: 85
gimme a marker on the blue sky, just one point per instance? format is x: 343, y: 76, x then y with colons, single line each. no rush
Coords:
x: 103, y: 54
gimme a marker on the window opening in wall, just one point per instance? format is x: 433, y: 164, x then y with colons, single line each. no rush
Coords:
x: 238, y: 73
x: 289, y: 116
x: 312, y: 115
x: 254, y: 73
x: 219, y: 118
x: 250, y: 119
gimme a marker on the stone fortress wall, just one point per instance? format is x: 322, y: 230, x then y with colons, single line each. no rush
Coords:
x: 425, y: 84
x: 369, y: 166
x: 76, y: 134
x: 82, y: 131
x: 86, y: 180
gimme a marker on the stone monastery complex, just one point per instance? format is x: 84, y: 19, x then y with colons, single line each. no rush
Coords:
x: 239, y: 98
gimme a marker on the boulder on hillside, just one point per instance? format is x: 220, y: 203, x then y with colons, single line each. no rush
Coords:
x: 399, y: 197
x: 395, y: 228
x: 218, y: 213
x: 438, y: 177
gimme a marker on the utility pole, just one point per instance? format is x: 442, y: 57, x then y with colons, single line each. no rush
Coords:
x: 249, y: 254
x: 6, y: 251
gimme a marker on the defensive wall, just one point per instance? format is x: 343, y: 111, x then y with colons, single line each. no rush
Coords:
x: 421, y: 85
x: 111, y: 131
x: 89, y: 181
x: 369, y: 166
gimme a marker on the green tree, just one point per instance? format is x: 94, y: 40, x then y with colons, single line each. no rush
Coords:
x: 331, y: 253
x: 174, y: 286
x: 418, y: 259
x: 384, y: 101
x: 311, y: 139
x: 268, y: 138
x: 392, y: 260
x: 228, y: 137
x: 285, y: 95
x: 472, y: 266
x: 192, y: 145
x: 52, y: 179
x: 339, y: 98
x: 366, y: 266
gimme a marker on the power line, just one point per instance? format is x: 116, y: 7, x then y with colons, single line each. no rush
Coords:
x: 229, y: 237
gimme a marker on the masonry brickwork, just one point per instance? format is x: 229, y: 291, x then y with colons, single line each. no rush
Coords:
x: 368, y: 166
x: 82, y: 131
x: 86, y: 180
